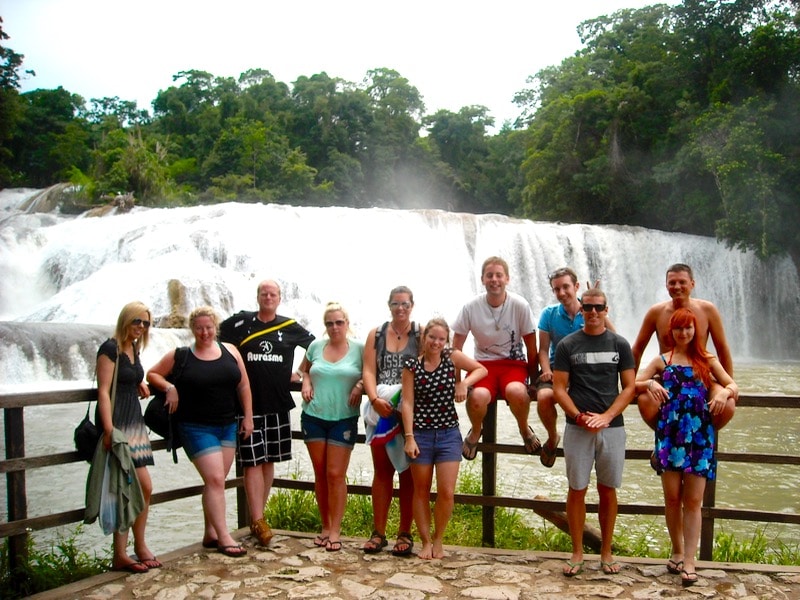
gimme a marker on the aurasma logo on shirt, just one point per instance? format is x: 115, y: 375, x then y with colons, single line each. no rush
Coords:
x: 595, y: 358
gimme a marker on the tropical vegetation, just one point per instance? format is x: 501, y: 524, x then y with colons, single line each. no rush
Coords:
x: 682, y: 118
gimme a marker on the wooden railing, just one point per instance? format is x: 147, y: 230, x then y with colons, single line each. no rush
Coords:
x: 16, y: 464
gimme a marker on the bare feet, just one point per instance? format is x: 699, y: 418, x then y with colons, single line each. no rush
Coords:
x: 438, y: 550
x: 427, y: 551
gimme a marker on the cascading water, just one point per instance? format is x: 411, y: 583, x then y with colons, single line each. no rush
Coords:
x: 82, y: 270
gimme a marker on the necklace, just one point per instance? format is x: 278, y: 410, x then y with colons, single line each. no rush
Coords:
x: 399, y: 334
x: 499, y: 317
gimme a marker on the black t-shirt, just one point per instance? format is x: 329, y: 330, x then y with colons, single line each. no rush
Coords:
x: 594, y: 363
x: 268, y: 353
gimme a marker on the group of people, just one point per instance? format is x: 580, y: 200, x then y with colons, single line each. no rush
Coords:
x: 233, y: 399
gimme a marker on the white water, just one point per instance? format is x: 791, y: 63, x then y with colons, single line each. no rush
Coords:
x: 60, y: 274
x: 81, y: 270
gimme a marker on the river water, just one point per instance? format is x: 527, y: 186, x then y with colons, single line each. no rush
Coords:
x: 176, y: 524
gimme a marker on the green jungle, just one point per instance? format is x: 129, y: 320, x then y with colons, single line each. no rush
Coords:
x: 680, y: 118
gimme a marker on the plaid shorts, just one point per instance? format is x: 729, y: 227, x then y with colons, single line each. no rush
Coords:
x: 271, y: 440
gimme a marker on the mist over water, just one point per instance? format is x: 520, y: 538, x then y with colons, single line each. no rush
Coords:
x: 82, y: 270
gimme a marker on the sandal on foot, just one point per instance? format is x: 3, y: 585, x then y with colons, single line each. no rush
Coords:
x: 404, y: 544
x: 532, y: 443
x: 321, y: 541
x: 375, y: 543
x: 132, y: 567
x: 333, y: 546
x: 688, y: 579
x: 151, y: 563
x: 675, y: 567
x: 469, y: 449
x: 610, y: 568
x: 261, y: 531
x: 548, y: 455
x: 573, y: 569
x: 232, y: 551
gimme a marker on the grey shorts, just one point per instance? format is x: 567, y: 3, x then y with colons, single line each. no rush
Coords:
x: 603, y: 450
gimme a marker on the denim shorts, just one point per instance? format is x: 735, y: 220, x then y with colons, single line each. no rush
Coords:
x: 438, y: 446
x: 338, y: 433
x: 199, y: 439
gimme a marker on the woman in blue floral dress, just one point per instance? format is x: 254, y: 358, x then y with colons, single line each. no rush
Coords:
x: 685, y: 436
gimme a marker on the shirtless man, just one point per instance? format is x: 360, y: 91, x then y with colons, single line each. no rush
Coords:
x: 680, y: 283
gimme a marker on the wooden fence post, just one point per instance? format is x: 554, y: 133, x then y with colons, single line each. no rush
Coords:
x: 17, y: 495
x: 489, y: 474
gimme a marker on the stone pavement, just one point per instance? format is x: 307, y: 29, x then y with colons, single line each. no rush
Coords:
x: 292, y: 567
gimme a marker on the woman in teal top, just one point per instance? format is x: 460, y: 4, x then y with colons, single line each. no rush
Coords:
x: 331, y: 394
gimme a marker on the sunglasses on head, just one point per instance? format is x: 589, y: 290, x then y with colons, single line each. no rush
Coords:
x: 145, y: 324
x: 591, y: 307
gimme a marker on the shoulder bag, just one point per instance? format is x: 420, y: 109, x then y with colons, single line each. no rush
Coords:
x: 87, y: 434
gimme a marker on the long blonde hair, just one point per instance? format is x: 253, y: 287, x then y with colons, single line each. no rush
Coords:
x: 125, y: 319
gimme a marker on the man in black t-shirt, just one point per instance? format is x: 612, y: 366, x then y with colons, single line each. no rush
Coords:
x: 589, y: 367
x: 267, y: 343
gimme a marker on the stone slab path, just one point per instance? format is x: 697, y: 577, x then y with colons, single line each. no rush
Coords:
x: 293, y: 568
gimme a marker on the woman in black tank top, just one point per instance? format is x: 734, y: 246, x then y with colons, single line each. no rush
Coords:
x: 211, y: 382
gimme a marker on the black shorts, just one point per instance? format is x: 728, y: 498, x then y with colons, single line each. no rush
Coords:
x: 270, y: 442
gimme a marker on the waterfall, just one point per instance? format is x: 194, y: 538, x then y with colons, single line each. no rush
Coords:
x: 61, y: 269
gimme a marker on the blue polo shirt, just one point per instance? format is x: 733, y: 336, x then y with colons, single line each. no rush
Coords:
x: 556, y: 322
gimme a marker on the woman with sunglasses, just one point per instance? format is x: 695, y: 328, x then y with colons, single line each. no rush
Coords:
x: 130, y: 338
x: 331, y: 395
x: 386, y: 349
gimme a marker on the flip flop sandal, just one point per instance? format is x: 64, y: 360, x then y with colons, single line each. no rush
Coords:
x: 333, y: 546
x: 321, y: 541
x: 610, y: 568
x: 548, y: 455
x: 404, y: 545
x: 132, y: 567
x: 674, y: 567
x: 232, y: 551
x: 532, y: 443
x: 469, y: 449
x: 151, y: 563
x: 688, y: 579
x: 375, y: 543
x: 573, y: 569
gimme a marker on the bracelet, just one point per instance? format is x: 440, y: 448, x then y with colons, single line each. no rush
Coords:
x: 408, y: 435
x: 359, y: 385
x: 650, y: 385
x: 373, y: 401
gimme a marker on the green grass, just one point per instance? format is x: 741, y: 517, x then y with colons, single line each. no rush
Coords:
x: 294, y: 510
x: 62, y: 563
x: 516, y: 529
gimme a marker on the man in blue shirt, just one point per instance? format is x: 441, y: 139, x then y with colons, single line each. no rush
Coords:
x: 555, y: 323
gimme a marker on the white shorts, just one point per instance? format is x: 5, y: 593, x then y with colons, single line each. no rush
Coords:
x: 604, y: 450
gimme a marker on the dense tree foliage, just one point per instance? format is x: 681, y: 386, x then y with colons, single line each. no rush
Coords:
x: 683, y: 118
x: 680, y: 118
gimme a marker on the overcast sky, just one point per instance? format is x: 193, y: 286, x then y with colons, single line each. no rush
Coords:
x: 456, y: 53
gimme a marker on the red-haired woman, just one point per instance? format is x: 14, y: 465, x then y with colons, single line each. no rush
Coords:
x: 685, y: 436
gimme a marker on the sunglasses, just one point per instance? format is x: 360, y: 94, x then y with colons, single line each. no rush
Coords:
x: 405, y: 305
x: 338, y: 323
x: 591, y: 307
x: 145, y: 324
